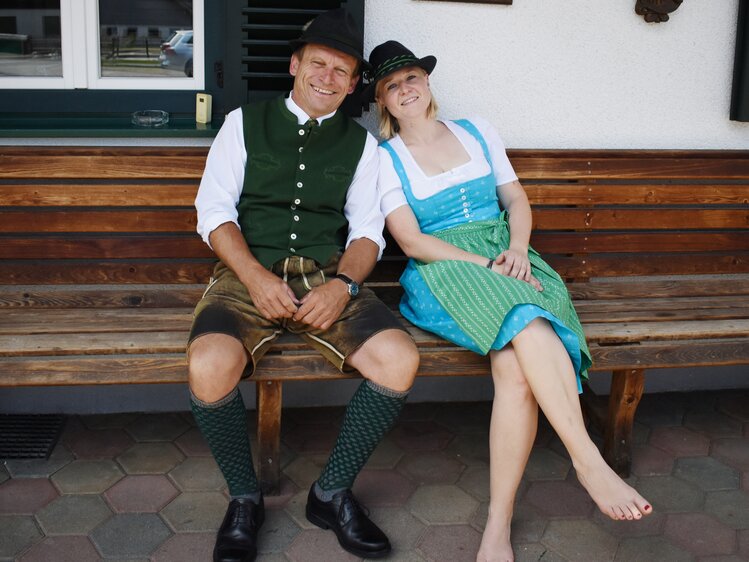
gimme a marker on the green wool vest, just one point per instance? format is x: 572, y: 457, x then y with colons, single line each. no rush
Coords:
x: 295, y: 182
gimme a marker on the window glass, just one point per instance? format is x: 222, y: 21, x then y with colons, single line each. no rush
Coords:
x: 30, y: 38
x: 146, y: 38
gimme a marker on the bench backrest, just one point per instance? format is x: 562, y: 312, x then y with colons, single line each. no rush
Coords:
x: 123, y: 215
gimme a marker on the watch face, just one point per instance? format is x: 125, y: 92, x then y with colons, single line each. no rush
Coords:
x: 353, y: 289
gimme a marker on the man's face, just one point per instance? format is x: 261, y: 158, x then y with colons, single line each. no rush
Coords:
x: 323, y: 77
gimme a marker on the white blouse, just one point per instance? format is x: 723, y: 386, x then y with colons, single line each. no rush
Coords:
x: 423, y: 186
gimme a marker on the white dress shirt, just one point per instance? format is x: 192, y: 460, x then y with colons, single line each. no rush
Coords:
x: 223, y: 180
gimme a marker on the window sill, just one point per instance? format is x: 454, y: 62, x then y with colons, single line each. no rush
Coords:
x: 13, y: 126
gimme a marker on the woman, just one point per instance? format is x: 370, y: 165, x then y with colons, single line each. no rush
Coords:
x: 454, y: 205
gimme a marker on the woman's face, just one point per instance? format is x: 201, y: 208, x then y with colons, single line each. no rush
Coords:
x: 405, y: 93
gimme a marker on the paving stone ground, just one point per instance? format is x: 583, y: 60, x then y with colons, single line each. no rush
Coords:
x: 143, y: 487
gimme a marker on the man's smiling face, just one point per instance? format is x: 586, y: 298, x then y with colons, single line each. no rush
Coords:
x: 323, y: 77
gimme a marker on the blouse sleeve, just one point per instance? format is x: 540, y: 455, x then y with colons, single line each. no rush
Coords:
x: 389, y: 185
x: 503, y: 171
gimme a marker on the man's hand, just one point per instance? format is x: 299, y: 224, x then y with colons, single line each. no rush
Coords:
x: 513, y: 263
x: 271, y: 295
x: 323, y: 304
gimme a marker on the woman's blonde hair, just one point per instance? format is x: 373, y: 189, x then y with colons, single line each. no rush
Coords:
x: 389, y: 124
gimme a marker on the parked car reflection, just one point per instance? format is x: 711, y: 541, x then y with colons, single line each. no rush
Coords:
x: 176, y: 52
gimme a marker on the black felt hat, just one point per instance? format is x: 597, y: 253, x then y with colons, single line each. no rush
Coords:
x: 388, y: 57
x: 336, y: 29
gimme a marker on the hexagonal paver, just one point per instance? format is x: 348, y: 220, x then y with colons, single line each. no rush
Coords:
x: 730, y: 507
x: 97, y: 444
x: 62, y: 549
x: 130, y: 535
x: 287, y: 490
x: 456, y: 543
x: 557, y: 498
x: 108, y: 421
x: 470, y: 449
x: 186, y: 546
x: 309, y: 438
x: 87, y: 477
x: 733, y: 452
x: 304, y: 470
x: 318, y: 546
x: 475, y: 481
x: 744, y: 543
x: 73, y: 515
x: 419, y: 411
x: 699, y: 534
x: 277, y: 533
x: 193, y: 444
x: 25, y: 495
x: 3, y: 473
x: 651, y: 461
x: 421, y: 436
x: 713, y: 424
x: 647, y: 549
x: 431, y: 467
x: 198, y: 474
x: 544, y: 464
x: 680, y: 442
x: 669, y: 494
x: 17, y: 532
x: 196, y: 511
x: 157, y: 427
x: 146, y: 493
x: 736, y: 405
x: 150, y: 458
x: 386, y: 455
x: 580, y: 540
x: 468, y: 417
x: 442, y: 504
x: 295, y: 508
x: 707, y: 473
x: 533, y: 552
x: 383, y: 488
x: 402, y: 528
x: 528, y: 525
x: 39, y: 468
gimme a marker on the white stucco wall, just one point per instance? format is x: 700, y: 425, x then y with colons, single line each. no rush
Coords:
x: 576, y: 73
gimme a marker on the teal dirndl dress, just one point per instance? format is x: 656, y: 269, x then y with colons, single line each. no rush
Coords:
x: 466, y: 303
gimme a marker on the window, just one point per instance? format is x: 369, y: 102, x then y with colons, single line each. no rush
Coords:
x: 102, y: 44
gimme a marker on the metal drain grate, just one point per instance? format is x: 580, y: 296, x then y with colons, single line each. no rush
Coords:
x: 29, y: 436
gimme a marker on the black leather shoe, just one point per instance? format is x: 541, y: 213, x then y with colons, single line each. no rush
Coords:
x: 236, y: 540
x: 345, y: 517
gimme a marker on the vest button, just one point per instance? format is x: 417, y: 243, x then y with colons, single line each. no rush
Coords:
x: 301, y: 133
x: 301, y: 166
x: 292, y: 250
x: 297, y: 201
x: 296, y: 218
x: 293, y: 207
x: 293, y: 236
x: 299, y: 184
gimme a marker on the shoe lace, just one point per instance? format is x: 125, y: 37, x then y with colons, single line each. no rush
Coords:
x: 241, y: 515
x: 354, y: 504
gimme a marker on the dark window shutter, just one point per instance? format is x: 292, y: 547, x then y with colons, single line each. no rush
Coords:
x: 257, y: 45
x: 740, y: 93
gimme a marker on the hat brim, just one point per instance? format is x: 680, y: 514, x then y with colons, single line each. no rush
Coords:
x: 426, y: 63
x: 333, y: 44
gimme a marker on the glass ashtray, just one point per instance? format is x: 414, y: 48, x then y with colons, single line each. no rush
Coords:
x: 149, y: 118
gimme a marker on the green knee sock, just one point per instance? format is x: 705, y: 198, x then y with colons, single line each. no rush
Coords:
x: 370, y: 414
x: 223, y: 424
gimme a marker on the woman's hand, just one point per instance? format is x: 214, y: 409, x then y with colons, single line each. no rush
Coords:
x: 516, y: 264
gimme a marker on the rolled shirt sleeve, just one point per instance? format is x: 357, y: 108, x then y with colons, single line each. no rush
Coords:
x: 362, y: 208
x: 223, y: 177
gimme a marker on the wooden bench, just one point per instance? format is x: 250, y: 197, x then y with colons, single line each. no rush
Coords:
x: 100, y: 269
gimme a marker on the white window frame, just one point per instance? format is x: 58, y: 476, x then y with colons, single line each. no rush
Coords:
x: 79, y: 30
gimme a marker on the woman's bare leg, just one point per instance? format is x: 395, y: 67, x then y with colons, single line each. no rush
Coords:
x: 512, y: 432
x: 550, y: 374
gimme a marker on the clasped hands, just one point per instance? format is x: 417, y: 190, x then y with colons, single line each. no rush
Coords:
x: 514, y: 263
x: 319, y: 308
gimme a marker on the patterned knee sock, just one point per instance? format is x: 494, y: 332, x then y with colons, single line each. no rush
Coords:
x: 223, y: 425
x: 370, y: 414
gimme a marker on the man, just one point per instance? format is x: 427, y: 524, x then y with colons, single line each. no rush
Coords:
x: 288, y: 202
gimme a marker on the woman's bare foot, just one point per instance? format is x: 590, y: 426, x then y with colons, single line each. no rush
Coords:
x: 612, y: 495
x: 495, y: 543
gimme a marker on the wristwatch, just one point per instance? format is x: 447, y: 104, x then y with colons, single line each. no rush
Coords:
x: 353, y: 286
